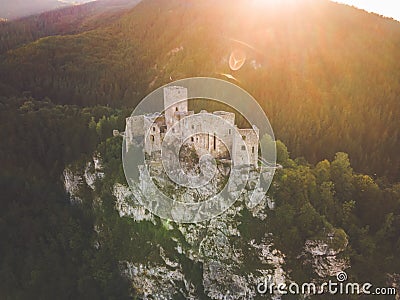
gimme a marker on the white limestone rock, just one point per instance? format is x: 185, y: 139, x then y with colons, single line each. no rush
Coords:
x: 127, y: 205
x: 152, y: 281
x: 90, y: 175
x: 72, y: 183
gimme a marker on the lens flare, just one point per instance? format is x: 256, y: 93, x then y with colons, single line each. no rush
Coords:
x: 237, y: 59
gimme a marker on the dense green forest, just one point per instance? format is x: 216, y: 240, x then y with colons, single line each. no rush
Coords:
x: 47, y: 245
x: 326, y: 75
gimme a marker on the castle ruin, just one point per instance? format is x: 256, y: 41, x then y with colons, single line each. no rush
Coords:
x: 238, y: 145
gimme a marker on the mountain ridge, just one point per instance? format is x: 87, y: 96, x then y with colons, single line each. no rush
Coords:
x: 19, y: 9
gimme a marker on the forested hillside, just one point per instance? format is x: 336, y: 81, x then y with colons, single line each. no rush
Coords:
x: 304, y: 65
x: 47, y: 245
x: 327, y: 76
x: 68, y: 20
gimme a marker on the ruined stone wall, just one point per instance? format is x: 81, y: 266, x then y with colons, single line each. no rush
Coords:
x: 209, y: 140
x: 224, y: 136
x: 193, y: 128
x: 134, y: 130
x: 152, y: 132
x: 245, y: 146
x: 227, y: 116
x: 180, y: 128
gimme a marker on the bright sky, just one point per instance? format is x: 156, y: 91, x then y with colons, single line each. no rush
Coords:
x: 388, y: 8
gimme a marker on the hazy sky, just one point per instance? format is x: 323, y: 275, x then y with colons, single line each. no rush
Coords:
x: 388, y: 8
x: 15, y: 8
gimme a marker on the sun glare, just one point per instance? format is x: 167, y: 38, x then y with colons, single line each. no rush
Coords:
x: 272, y: 2
x: 388, y: 8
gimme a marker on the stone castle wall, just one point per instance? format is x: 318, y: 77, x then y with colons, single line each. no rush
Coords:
x: 134, y: 130
x: 241, y: 145
x: 152, y: 132
x: 245, y: 146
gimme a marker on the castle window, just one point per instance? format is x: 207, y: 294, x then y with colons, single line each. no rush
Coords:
x: 243, y: 137
x: 229, y: 131
x: 192, y: 126
x: 252, y: 149
x: 152, y: 138
x: 243, y: 148
x: 154, y: 129
x: 192, y: 139
x: 176, y: 108
x: 215, y: 141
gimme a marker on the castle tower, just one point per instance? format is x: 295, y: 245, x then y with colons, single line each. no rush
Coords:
x: 245, y: 146
x: 175, y: 103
